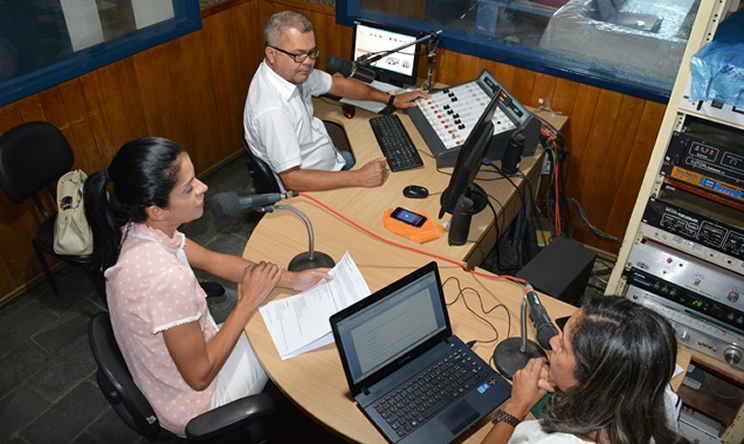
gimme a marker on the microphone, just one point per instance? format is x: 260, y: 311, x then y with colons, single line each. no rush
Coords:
x: 347, y: 68
x: 229, y: 204
x: 513, y: 354
x: 540, y: 319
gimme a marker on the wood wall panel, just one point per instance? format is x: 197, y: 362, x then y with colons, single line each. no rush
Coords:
x: 192, y: 90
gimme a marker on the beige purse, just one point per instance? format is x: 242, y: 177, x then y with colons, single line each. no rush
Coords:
x: 72, y: 235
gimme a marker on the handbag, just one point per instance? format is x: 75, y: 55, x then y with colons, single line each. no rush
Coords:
x: 72, y: 234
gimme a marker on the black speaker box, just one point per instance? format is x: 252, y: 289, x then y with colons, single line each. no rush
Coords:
x: 560, y: 270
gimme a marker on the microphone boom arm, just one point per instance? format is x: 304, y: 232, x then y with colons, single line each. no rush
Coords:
x: 311, y: 236
x: 311, y: 259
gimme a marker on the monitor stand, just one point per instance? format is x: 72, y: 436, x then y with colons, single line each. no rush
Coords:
x: 479, y: 197
x: 476, y: 194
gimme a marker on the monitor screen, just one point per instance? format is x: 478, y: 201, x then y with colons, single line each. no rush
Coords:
x: 398, y: 68
x: 469, y: 161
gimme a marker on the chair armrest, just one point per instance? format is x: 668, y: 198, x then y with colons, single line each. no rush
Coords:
x: 230, y: 417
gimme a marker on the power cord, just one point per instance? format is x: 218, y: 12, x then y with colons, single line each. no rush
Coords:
x: 460, y: 265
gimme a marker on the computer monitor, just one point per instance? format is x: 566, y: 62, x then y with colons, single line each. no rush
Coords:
x: 468, y: 163
x: 399, y: 68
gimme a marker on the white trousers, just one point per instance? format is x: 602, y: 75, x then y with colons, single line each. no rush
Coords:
x: 241, y: 376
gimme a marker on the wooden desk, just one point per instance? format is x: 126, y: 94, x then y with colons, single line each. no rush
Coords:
x: 315, y: 381
x: 366, y: 205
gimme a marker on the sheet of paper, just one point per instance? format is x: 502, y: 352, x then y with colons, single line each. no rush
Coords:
x: 300, y: 323
x: 371, y: 106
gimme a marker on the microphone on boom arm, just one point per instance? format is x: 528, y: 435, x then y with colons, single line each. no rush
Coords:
x: 229, y: 204
x: 512, y: 354
x: 347, y: 68
x: 540, y: 319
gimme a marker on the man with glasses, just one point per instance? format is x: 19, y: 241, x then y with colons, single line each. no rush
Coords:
x: 278, y: 120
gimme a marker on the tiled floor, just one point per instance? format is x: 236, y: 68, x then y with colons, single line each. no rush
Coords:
x: 48, y: 392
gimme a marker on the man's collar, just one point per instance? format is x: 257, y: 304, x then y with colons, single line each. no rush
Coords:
x: 285, y: 88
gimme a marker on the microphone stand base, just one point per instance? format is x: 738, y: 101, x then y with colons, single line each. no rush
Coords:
x: 509, y: 357
x: 303, y: 262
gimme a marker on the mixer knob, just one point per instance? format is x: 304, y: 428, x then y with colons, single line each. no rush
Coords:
x: 732, y: 355
x: 733, y: 296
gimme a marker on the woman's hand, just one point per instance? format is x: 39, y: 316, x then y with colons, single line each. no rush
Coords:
x: 530, y: 385
x: 258, y: 281
x: 299, y: 281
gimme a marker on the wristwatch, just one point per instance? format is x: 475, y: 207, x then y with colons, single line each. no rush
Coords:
x: 502, y: 416
x: 391, y: 99
x: 389, y: 108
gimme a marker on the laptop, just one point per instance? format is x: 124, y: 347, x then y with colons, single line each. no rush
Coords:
x: 397, y: 340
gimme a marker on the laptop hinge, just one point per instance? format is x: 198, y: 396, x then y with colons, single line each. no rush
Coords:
x: 365, y: 391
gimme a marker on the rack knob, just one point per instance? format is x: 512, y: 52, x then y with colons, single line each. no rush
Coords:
x: 732, y: 355
x: 684, y: 336
x: 733, y: 296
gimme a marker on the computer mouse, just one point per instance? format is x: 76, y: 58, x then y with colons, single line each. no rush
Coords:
x: 348, y: 110
x: 415, y: 192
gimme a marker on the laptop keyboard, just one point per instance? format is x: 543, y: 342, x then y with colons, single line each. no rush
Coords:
x: 424, y: 395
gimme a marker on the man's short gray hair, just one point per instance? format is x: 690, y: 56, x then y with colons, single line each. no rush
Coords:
x: 282, y: 21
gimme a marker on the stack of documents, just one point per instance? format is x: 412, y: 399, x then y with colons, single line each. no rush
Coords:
x: 300, y: 323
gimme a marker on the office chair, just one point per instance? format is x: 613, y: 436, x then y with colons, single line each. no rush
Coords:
x: 251, y: 419
x: 34, y: 156
x: 261, y: 174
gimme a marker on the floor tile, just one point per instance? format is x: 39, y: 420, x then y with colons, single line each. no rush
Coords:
x: 18, y: 409
x: 68, y: 418
x: 87, y: 438
x: 72, y: 289
x: 228, y: 244
x: 110, y: 429
x: 67, y: 328
x: 24, y: 360
x: 21, y: 322
x: 66, y: 371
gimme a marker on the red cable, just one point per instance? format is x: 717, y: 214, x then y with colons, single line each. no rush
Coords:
x: 388, y: 241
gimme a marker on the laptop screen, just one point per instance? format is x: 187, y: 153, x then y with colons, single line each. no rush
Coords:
x: 375, y: 333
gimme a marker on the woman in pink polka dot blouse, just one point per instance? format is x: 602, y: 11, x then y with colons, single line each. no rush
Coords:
x: 181, y: 360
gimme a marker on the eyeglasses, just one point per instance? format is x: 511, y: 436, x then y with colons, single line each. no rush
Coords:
x: 301, y: 57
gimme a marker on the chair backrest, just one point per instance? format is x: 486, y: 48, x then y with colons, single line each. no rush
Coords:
x: 263, y: 177
x: 116, y: 382
x: 32, y: 156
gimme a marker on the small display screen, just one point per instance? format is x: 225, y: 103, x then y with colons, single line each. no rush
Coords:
x: 409, y: 217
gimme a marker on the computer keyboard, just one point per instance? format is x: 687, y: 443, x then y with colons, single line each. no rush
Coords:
x: 395, y: 143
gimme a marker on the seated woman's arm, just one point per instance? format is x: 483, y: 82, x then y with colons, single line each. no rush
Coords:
x: 231, y: 268
x: 200, y: 362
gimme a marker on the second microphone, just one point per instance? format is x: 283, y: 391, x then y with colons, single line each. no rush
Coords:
x: 347, y: 68
x: 229, y: 204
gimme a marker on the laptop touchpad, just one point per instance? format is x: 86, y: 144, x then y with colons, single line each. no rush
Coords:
x: 459, y: 416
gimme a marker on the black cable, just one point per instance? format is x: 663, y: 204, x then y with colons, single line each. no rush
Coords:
x: 461, y: 294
